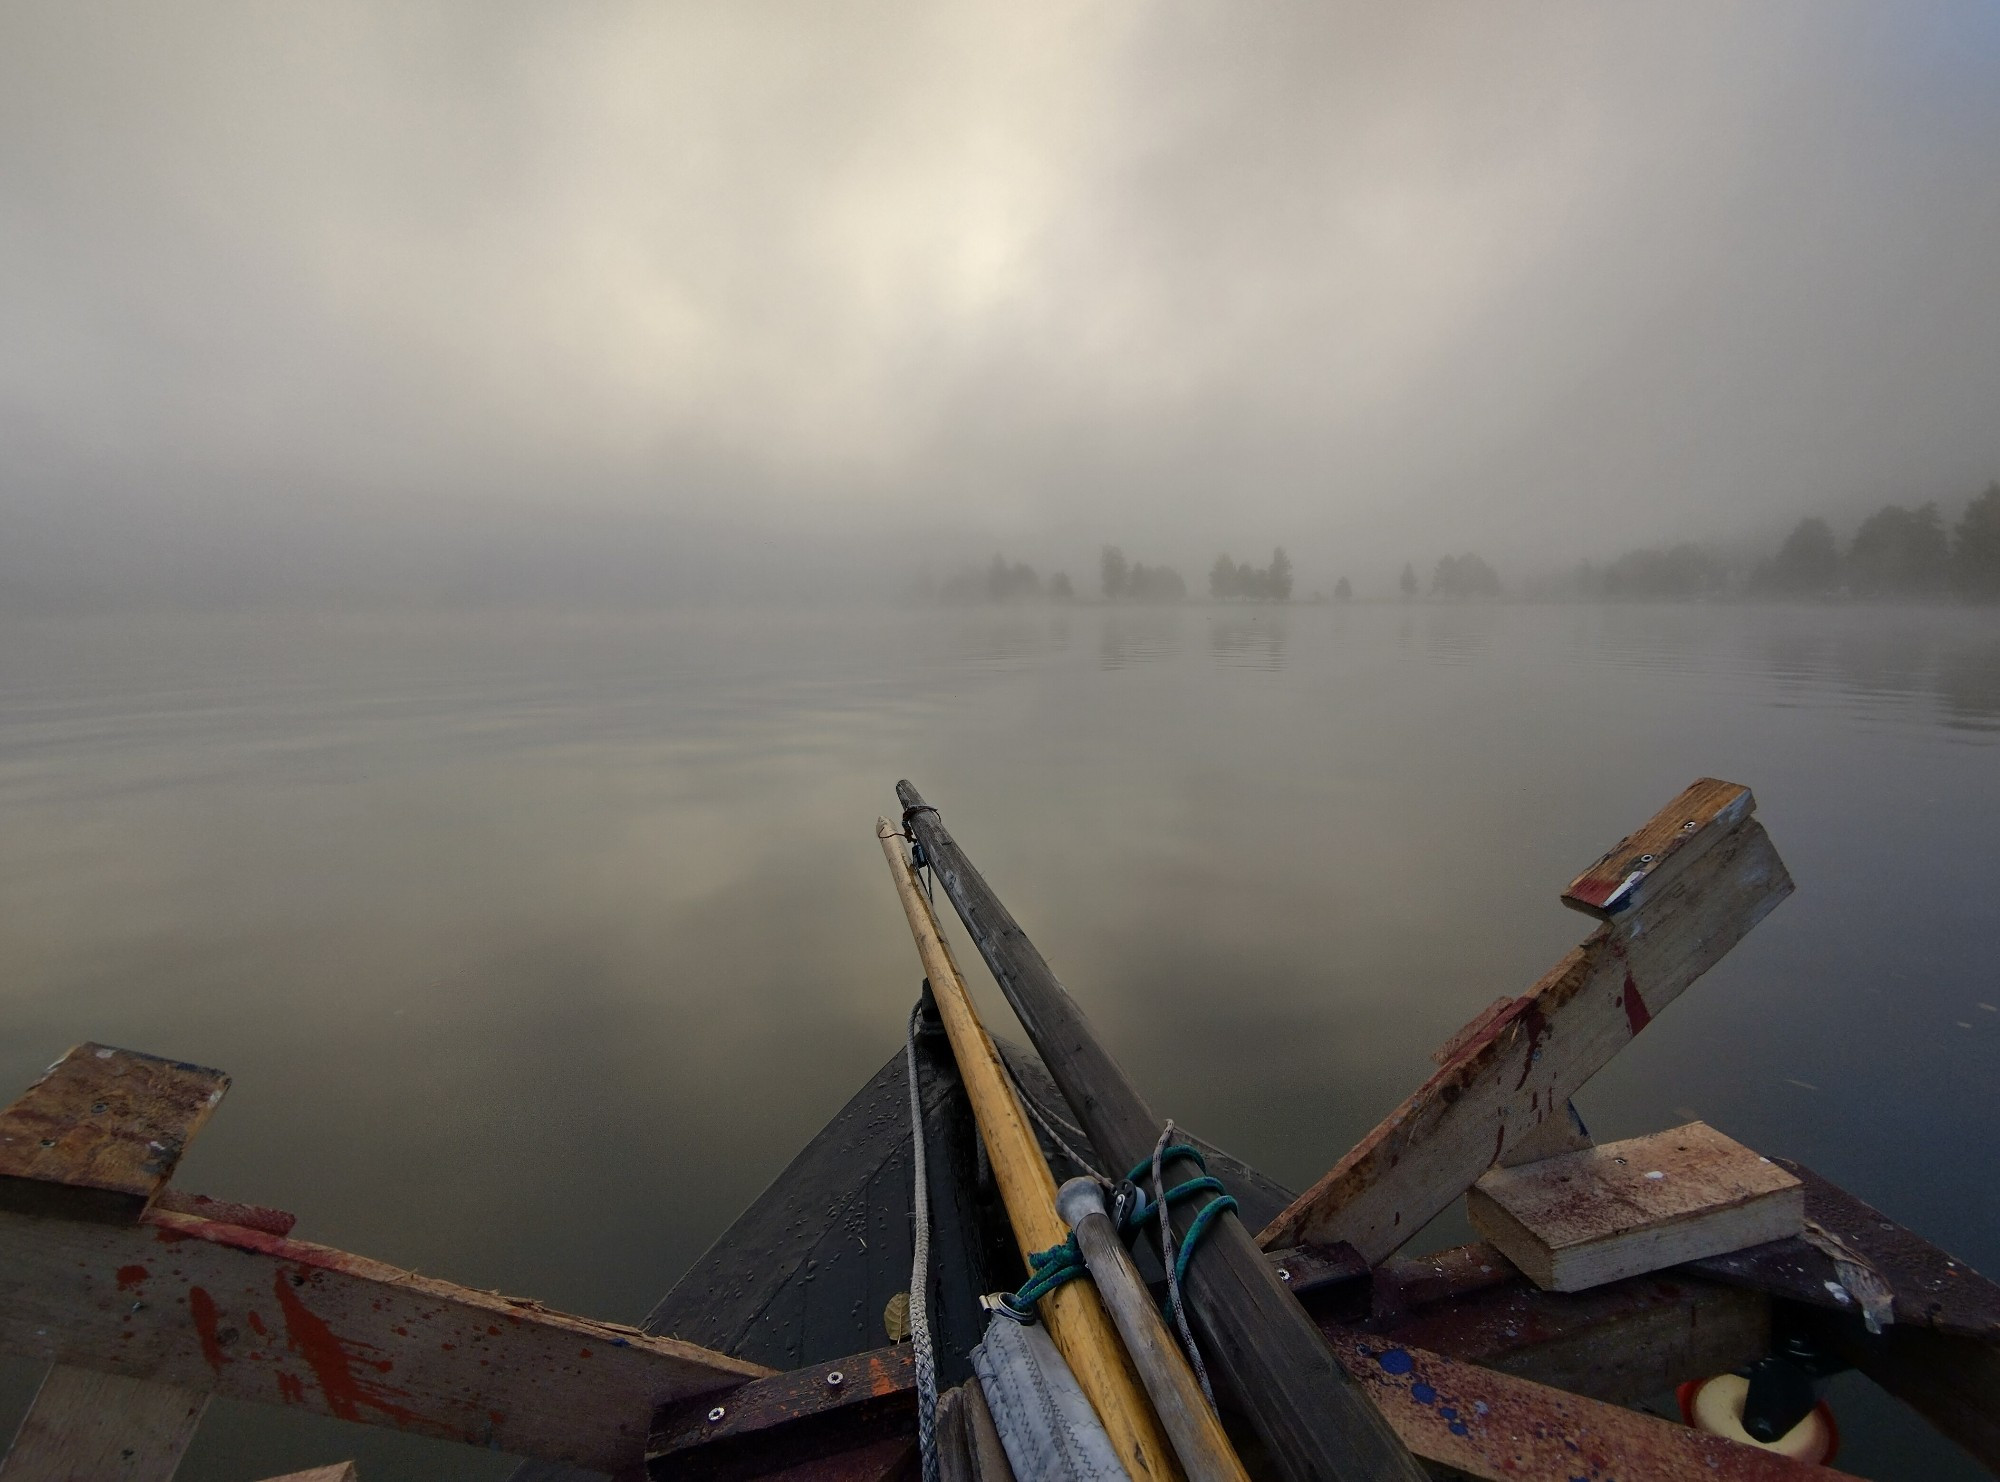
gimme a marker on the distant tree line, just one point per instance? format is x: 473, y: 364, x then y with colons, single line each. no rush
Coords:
x: 1461, y: 578
x: 1137, y: 582
x: 1271, y: 583
x: 1896, y: 551
x: 1003, y: 581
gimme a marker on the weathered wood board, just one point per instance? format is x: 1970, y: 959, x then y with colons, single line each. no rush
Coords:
x: 1644, y: 861
x: 1492, y: 1425
x: 1508, y: 1087
x: 209, y: 1306
x: 343, y: 1471
x: 86, y: 1426
x: 1630, y: 1207
x: 1624, y: 1342
x: 99, y: 1135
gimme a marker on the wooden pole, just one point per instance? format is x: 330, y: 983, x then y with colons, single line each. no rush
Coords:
x: 1183, y: 1409
x: 1272, y: 1363
x: 1074, y: 1316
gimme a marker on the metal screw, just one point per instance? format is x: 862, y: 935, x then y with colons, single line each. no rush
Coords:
x: 835, y: 1379
x: 1283, y: 1274
x: 1689, y: 827
x: 715, y: 1415
x: 1645, y: 859
x: 48, y: 1142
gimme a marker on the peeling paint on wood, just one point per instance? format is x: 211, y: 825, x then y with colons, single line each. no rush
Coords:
x: 1671, y: 840
x: 263, y: 1318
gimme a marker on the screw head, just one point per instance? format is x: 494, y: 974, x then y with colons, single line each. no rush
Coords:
x: 1283, y: 1274
x: 835, y: 1379
x: 715, y: 1415
x: 1645, y: 859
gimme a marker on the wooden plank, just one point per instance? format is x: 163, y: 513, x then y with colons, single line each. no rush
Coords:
x: 1624, y: 1342
x: 989, y: 1457
x: 1508, y: 1083
x: 1073, y: 1313
x: 787, y: 1419
x: 1267, y: 1358
x: 193, y: 1302
x: 1635, y: 1206
x: 99, y: 1135
x: 1493, y: 1425
x: 1928, y: 1287
x: 1645, y: 860
x: 340, y: 1471
x: 90, y: 1427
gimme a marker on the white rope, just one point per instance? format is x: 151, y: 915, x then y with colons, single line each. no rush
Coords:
x: 920, y: 1270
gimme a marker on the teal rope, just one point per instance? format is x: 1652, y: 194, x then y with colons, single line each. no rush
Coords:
x: 1051, y: 1268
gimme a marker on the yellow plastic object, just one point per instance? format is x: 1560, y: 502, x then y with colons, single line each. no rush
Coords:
x: 1716, y: 1406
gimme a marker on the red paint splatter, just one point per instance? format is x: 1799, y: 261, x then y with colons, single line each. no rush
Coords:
x: 167, y: 1235
x: 201, y: 1307
x: 583, y: 1353
x: 291, y: 1389
x: 331, y: 1363
x: 1636, y: 1013
x: 257, y: 1326
x: 1536, y: 1023
x: 131, y: 1276
x: 492, y: 1332
x: 498, y: 1417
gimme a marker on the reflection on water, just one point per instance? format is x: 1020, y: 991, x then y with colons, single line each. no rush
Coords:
x: 1138, y: 635
x: 1254, y: 639
x: 514, y: 930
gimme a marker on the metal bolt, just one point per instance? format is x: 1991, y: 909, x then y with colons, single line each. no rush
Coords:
x: 715, y: 1415
x: 1645, y: 859
x: 1283, y: 1274
x: 835, y: 1379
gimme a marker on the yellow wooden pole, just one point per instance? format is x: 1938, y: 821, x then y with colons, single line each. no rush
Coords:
x: 1072, y: 1313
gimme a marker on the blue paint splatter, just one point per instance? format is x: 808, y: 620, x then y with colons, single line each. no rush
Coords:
x: 1423, y: 1394
x: 1395, y: 1361
x: 1448, y: 1412
x: 1458, y: 1428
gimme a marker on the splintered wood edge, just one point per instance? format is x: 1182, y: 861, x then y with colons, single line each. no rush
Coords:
x: 1664, y: 845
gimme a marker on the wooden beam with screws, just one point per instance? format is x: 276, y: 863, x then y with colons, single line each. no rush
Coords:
x: 1503, y: 1097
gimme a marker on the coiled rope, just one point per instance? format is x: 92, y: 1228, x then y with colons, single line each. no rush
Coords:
x: 920, y: 1269
x: 1049, y: 1269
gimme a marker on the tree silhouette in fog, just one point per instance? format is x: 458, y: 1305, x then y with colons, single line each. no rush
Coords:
x: 1343, y: 590
x: 1975, y: 550
x: 1226, y: 579
x: 1113, y: 572
x: 1899, y: 551
x: 1408, y: 581
x: 1138, y: 582
x: 1807, y: 564
x: 1464, y: 576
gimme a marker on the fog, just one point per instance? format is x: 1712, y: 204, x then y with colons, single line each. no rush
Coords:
x: 615, y: 301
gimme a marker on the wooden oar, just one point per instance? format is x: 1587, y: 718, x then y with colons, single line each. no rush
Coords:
x: 1074, y: 1316
x: 1270, y: 1359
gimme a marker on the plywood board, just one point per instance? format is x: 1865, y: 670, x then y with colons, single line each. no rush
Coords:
x: 99, y: 1135
x: 1630, y: 1207
x: 86, y: 1426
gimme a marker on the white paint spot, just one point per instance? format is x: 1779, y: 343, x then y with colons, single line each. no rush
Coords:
x: 1656, y: 1174
x: 104, y: 1054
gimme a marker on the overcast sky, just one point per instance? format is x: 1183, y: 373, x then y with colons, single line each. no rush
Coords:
x: 304, y: 291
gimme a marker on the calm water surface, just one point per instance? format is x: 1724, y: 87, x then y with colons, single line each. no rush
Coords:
x: 538, y: 945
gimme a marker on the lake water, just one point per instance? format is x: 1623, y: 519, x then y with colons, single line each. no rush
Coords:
x: 538, y: 945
